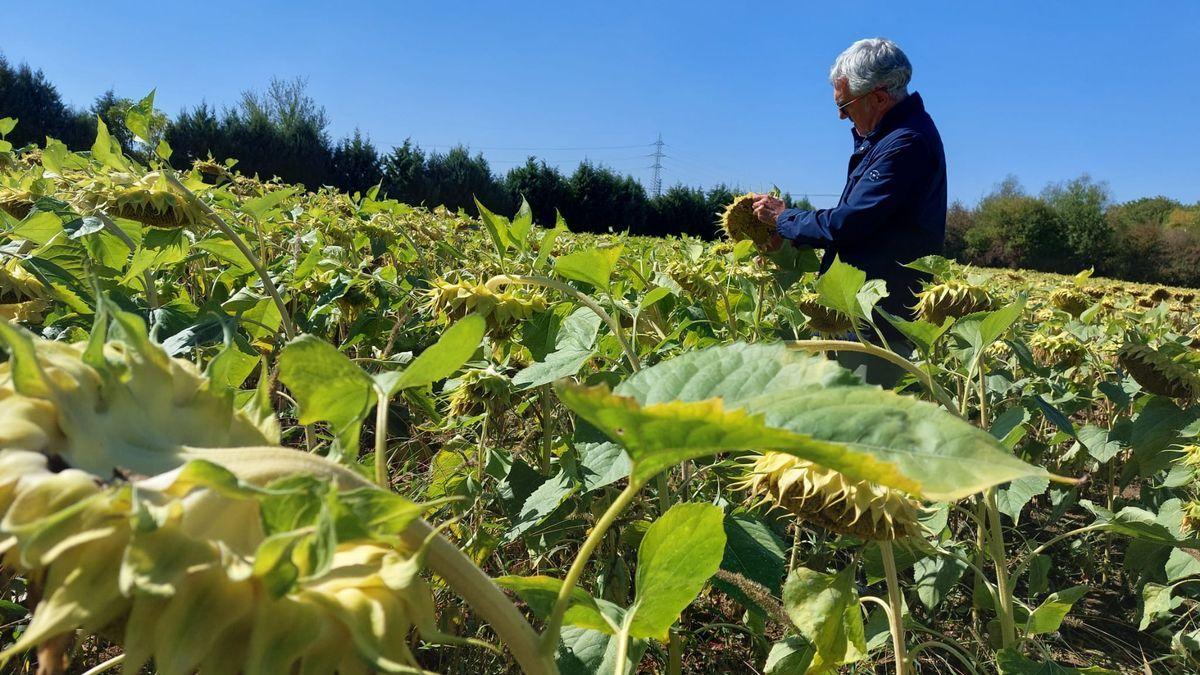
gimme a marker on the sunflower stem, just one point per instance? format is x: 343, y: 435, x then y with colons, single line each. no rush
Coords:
x: 289, y: 328
x: 896, y: 615
x: 381, y: 425
x: 555, y: 621
x: 1008, y: 627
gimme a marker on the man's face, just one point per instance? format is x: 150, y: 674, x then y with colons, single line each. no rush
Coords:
x: 864, y: 111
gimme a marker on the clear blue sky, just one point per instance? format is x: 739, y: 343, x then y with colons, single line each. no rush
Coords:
x: 1042, y: 90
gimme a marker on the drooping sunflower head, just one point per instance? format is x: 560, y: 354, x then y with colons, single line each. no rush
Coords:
x: 1157, y: 372
x: 739, y: 222
x: 151, y: 201
x: 16, y: 203
x: 822, y: 318
x: 503, y: 310
x: 691, y: 277
x: 1160, y: 294
x: 1059, y: 349
x: 1070, y: 300
x: 952, y: 299
x: 480, y: 390
x: 135, y: 498
x: 831, y: 499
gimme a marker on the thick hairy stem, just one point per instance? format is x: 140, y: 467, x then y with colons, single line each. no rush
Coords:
x: 289, y: 328
x: 547, y: 427
x: 555, y: 621
x: 582, y: 298
x: 896, y: 616
x: 470, y: 582
x: 983, y: 409
x: 1008, y: 627
x: 867, y: 348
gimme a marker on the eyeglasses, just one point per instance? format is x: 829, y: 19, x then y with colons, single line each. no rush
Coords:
x: 842, y: 108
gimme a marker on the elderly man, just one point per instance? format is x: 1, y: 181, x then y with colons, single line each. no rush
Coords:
x: 893, y: 208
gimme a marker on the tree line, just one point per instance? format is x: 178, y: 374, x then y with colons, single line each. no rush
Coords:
x: 1074, y: 225
x: 281, y: 132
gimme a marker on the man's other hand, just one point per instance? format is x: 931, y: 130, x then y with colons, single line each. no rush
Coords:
x: 768, y: 208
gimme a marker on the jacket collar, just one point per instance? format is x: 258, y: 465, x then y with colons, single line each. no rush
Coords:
x: 911, y: 105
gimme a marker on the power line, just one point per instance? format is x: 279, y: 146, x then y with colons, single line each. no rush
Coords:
x: 527, y: 147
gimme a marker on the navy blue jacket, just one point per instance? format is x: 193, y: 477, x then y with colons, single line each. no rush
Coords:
x: 892, y: 210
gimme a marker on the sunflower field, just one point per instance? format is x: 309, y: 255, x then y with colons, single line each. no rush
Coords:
x: 249, y: 428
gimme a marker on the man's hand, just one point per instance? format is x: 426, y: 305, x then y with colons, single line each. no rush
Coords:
x: 768, y: 208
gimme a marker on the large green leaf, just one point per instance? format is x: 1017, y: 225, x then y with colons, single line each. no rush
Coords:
x: 752, y: 551
x: 765, y: 396
x: 824, y: 608
x: 664, y: 434
x: 921, y: 333
x: 328, y: 387
x: 735, y: 373
x: 680, y: 551
x: 440, y: 360
x: 582, y: 651
x: 497, y: 227
x: 593, y: 266
x: 1137, y: 523
x: 981, y: 329
x: 935, y: 576
x: 573, y: 346
x: 839, y: 287
x: 939, y: 456
x: 791, y: 656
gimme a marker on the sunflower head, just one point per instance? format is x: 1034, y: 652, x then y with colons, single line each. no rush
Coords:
x: 151, y: 201
x: 739, y: 222
x: 1070, y: 300
x: 1191, y: 517
x: 1157, y: 372
x: 480, y: 390
x: 952, y: 299
x: 135, y: 497
x: 822, y: 318
x: 830, y: 499
x: 1059, y: 349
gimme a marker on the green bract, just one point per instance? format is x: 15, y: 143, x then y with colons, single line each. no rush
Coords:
x: 136, y: 499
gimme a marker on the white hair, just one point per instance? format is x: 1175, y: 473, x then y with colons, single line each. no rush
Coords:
x: 872, y: 64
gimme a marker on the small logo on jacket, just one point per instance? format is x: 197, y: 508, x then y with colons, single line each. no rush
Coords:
x: 874, y: 175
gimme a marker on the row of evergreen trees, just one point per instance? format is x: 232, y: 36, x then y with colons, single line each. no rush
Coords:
x: 283, y: 132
